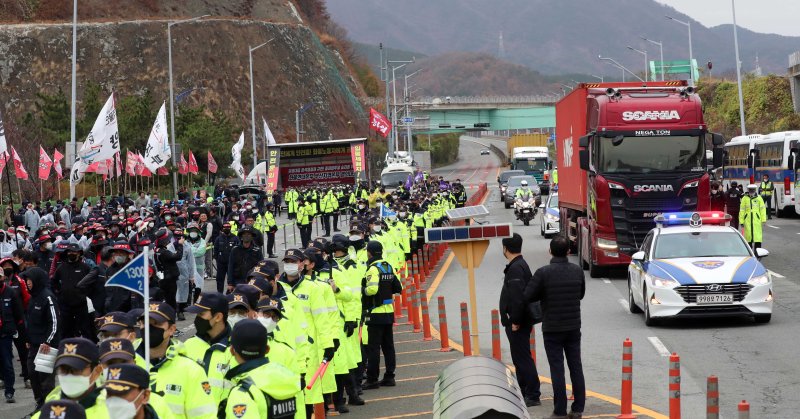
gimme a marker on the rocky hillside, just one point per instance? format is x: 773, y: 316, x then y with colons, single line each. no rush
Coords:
x: 130, y: 57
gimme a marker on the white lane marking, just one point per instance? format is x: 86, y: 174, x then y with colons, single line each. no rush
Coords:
x: 777, y: 275
x: 623, y: 303
x: 660, y: 347
x: 607, y: 281
x: 772, y: 226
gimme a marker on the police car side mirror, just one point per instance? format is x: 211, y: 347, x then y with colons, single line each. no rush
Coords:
x: 762, y: 253
x: 638, y: 256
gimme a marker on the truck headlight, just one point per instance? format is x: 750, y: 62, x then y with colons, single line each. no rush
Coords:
x: 759, y: 280
x: 659, y: 282
x: 606, y: 244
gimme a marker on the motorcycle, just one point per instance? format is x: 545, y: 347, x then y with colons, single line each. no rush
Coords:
x: 525, y: 208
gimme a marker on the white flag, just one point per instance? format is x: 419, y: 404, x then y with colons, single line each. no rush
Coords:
x: 78, y: 170
x: 3, y: 143
x: 236, y: 153
x: 103, y: 141
x: 158, y: 151
x: 268, y: 134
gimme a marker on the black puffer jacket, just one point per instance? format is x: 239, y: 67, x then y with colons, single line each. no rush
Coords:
x: 560, y: 286
x: 42, y: 314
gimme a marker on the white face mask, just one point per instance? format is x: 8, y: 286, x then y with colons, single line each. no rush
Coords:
x: 354, y: 238
x: 291, y: 269
x: 268, y: 323
x: 235, y: 318
x: 48, y: 246
x: 361, y: 206
x: 193, y: 235
x: 120, y: 259
x: 119, y: 408
x: 73, y: 385
x: 376, y: 229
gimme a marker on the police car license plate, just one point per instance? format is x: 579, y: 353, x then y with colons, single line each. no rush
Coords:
x: 714, y: 298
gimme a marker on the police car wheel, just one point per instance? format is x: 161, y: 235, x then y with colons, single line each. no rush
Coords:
x: 648, y: 320
x: 763, y: 318
x: 631, y: 303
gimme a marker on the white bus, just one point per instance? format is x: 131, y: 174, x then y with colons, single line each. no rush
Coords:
x: 776, y: 157
x: 738, y: 166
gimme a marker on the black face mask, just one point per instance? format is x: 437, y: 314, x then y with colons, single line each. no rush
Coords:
x: 202, y: 325
x: 8, y: 272
x: 358, y: 244
x: 73, y: 258
x: 156, y: 336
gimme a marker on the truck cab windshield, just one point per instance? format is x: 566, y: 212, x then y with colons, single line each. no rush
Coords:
x: 650, y: 154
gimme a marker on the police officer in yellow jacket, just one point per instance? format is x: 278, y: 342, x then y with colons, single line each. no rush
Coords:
x: 752, y: 216
x: 328, y: 205
x: 128, y: 388
x: 291, y: 197
x: 767, y: 190
x: 77, y: 369
x: 263, y: 389
x: 379, y: 284
x: 209, y: 346
x: 305, y: 215
x: 265, y: 223
x: 179, y: 379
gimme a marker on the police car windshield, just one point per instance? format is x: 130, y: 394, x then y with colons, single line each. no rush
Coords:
x: 700, y: 244
x: 650, y: 154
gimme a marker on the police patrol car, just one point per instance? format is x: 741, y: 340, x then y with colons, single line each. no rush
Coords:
x: 696, y: 265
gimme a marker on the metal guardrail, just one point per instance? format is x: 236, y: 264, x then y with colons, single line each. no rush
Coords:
x: 471, y: 100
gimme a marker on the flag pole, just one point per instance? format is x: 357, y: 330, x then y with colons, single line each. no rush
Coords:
x: 147, y: 307
x: 8, y: 179
x: 19, y: 189
x: 41, y: 190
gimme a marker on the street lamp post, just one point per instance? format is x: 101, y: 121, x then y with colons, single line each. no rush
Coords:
x: 738, y: 68
x: 73, y: 144
x: 253, y: 103
x: 172, y: 101
x: 624, y: 69
x: 598, y: 78
x: 691, y: 56
x: 661, y: 49
x: 646, y: 63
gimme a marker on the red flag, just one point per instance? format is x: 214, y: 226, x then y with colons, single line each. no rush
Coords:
x: 109, y: 168
x: 163, y: 171
x: 183, y: 168
x: 130, y: 163
x: 118, y: 159
x: 45, y: 164
x: 212, y: 164
x: 57, y: 156
x: 193, y: 169
x: 18, y: 167
x: 144, y: 171
x: 379, y: 123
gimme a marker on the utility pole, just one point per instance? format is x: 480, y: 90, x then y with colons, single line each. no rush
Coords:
x: 406, y: 98
x: 394, y: 95
x: 253, y: 104
x: 688, y: 24
x: 646, y: 63
x: 661, y: 49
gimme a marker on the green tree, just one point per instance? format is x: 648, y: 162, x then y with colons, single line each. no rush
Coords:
x: 91, y: 106
x: 135, y: 115
x: 52, y: 118
x: 200, y: 130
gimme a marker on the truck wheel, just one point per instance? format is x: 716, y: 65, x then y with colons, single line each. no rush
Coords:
x: 581, y: 260
x: 594, y: 270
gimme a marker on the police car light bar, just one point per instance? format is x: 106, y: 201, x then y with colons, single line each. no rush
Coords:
x: 693, y: 219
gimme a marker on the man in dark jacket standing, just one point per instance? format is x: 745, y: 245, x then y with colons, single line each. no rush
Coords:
x: 167, y: 264
x: 223, y: 245
x: 243, y: 257
x: 12, y: 322
x: 72, y: 299
x: 515, y: 318
x: 43, y: 329
x: 560, y: 286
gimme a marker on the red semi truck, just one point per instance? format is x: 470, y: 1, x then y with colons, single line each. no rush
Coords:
x: 627, y: 153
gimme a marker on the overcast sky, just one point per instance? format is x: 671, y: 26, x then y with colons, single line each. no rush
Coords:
x: 767, y: 16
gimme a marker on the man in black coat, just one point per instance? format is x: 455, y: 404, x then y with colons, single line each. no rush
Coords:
x: 515, y: 318
x: 72, y: 299
x: 560, y: 287
x: 43, y: 328
x: 223, y: 245
x: 167, y: 264
x: 243, y: 257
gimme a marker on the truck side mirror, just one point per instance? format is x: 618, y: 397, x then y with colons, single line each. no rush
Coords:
x: 717, y: 140
x: 719, y: 157
x: 583, y: 152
